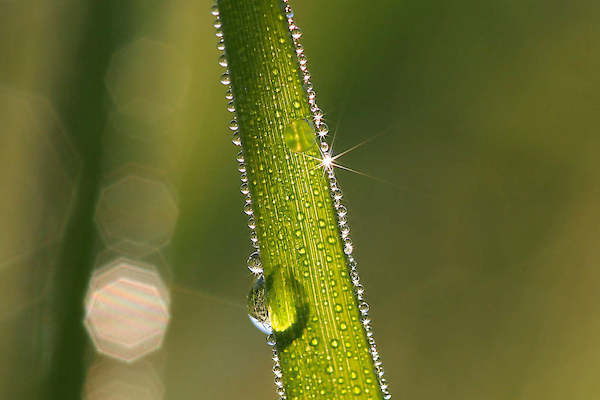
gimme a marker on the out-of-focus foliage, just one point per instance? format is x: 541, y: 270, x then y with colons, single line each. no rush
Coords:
x: 479, y: 256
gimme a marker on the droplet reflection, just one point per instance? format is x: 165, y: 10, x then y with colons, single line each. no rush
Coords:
x: 299, y: 135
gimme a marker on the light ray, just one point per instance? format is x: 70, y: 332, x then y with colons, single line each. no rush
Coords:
x: 339, y: 122
x: 362, y: 173
x: 368, y: 140
x: 328, y: 162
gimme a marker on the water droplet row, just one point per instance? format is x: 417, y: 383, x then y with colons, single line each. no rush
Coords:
x: 254, y: 261
x: 336, y: 194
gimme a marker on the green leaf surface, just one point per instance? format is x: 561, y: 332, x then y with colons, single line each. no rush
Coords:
x: 322, y: 345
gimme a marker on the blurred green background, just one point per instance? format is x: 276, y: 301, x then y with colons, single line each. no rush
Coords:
x: 477, y: 242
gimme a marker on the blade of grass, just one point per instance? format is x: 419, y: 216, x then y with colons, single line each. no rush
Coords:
x: 323, y: 340
x: 83, y: 105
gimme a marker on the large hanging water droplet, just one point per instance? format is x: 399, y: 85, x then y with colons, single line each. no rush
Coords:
x: 299, y: 135
x: 257, y: 307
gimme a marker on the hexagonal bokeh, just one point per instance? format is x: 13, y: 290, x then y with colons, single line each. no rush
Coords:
x: 136, y: 215
x: 108, y: 379
x: 40, y: 178
x: 147, y: 79
x: 127, y: 310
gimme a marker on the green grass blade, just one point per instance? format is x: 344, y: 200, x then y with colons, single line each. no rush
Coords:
x: 324, y: 346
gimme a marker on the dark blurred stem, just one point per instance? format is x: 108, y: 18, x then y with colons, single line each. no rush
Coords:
x: 83, y: 105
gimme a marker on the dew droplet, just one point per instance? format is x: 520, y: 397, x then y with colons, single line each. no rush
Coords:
x: 336, y: 193
x: 296, y: 33
x: 363, y: 308
x: 223, y: 60
x: 225, y: 79
x: 240, y: 156
x: 233, y: 125
x: 334, y: 343
x: 237, y: 140
x: 348, y: 248
x: 257, y: 308
x: 255, y: 263
x: 278, y: 381
x: 299, y: 135
x: 254, y: 239
x: 345, y: 231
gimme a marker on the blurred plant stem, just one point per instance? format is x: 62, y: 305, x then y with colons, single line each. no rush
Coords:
x: 83, y: 105
x: 314, y: 309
